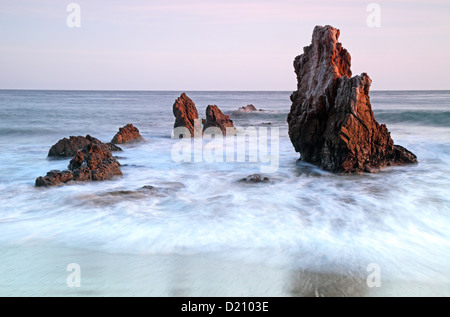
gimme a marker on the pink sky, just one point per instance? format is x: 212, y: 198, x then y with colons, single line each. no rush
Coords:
x: 215, y: 45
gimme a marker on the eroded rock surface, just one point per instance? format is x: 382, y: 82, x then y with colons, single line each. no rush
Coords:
x: 127, y: 134
x: 331, y: 122
x: 185, y: 114
x: 94, y: 162
x: 215, y: 118
x: 68, y: 147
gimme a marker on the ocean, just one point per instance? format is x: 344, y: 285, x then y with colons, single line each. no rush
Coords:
x: 306, y: 232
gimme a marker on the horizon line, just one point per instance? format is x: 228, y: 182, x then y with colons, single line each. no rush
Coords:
x: 187, y: 90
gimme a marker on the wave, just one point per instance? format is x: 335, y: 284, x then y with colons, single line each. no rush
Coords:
x: 435, y: 118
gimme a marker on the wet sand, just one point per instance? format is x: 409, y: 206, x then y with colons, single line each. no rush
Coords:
x: 40, y: 270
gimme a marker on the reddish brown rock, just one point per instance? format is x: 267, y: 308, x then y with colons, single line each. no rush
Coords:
x: 331, y: 122
x: 185, y: 114
x: 127, y: 134
x: 69, y: 147
x: 215, y: 118
x: 54, y: 178
x: 93, y: 162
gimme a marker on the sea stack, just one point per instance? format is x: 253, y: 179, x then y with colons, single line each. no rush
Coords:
x: 186, y: 115
x: 331, y: 123
x: 215, y: 118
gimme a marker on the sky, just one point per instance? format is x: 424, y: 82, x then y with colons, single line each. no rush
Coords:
x: 216, y: 44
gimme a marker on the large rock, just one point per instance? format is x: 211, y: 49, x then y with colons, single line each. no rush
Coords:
x: 126, y: 134
x: 69, y: 147
x: 185, y: 114
x: 331, y: 122
x: 93, y: 162
x: 215, y: 118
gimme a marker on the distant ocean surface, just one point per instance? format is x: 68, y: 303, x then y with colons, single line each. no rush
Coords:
x: 205, y: 233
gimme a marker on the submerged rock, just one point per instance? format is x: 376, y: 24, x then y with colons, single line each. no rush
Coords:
x: 185, y: 114
x: 69, y: 147
x: 255, y: 178
x: 126, y: 134
x: 93, y: 162
x: 331, y: 122
x: 215, y: 118
x: 113, y: 147
x: 248, y: 108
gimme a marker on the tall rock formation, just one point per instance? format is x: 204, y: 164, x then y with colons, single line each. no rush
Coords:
x: 215, y: 118
x: 331, y: 122
x: 185, y: 114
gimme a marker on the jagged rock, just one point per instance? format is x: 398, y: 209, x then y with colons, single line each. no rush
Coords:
x: 255, y: 178
x: 97, y: 160
x: 126, y: 134
x: 331, y: 122
x: 185, y: 114
x: 54, y: 178
x: 93, y: 162
x: 215, y: 118
x: 113, y: 147
x: 69, y: 147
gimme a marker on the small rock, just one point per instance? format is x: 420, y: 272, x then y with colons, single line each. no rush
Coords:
x: 248, y: 108
x: 255, y: 178
x: 54, y: 178
x: 126, y: 134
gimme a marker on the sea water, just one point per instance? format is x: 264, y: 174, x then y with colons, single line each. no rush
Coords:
x: 204, y: 233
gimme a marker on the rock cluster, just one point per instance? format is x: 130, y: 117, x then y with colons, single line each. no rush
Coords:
x: 92, y: 159
x: 331, y: 122
x: 186, y: 115
x: 93, y: 162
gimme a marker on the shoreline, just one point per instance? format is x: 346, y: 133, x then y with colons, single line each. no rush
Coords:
x: 39, y: 269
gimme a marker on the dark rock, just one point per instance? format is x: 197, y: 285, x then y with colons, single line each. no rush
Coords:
x: 185, y: 114
x: 94, y: 162
x: 54, y: 178
x: 215, y: 118
x: 69, y: 147
x: 331, y: 122
x: 126, y: 134
x: 149, y: 188
x: 255, y: 178
x: 113, y: 147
